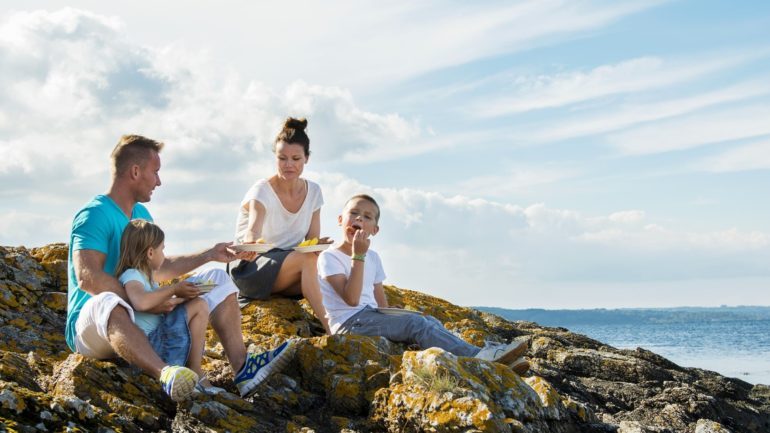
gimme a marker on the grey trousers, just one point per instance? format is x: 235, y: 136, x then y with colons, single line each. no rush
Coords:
x: 426, y: 331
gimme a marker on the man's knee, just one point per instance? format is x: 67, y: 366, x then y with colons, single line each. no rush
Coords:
x: 119, y: 318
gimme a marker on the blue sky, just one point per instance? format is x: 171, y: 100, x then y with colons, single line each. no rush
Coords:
x: 555, y: 154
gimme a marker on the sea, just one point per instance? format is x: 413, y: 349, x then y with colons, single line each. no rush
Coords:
x: 734, y: 342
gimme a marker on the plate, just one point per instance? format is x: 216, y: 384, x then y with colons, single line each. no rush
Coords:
x: 312, y: 248
x: 397, y: 311
x: 255, y: 248
x: 205, y: 288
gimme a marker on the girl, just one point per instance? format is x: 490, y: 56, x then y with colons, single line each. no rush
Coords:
x: 177, y: 335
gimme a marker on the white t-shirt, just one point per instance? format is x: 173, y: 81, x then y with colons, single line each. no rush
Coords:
x: 335, y: 262
x: 281, y: 227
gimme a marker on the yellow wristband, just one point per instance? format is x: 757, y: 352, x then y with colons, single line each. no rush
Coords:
x: 359, y: 257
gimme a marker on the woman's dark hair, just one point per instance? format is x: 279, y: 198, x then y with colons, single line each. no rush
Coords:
x: 293, y: 132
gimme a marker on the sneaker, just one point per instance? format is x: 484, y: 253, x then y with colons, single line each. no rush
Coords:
x: 258, y: 367
x: 178, y: 382
x: 208, y: 389
x: 519, y: 366
x: 503, y: 353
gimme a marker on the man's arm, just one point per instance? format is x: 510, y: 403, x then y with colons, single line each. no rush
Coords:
x: 89, y: 271
x: 175, y: 266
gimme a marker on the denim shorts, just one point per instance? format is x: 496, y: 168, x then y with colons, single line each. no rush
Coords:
x: 171, y: 339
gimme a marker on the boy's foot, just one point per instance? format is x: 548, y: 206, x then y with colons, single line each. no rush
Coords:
x: 178, y: 382
x: 259, y: 366
x: 519, y: 366
x: 503, y: 353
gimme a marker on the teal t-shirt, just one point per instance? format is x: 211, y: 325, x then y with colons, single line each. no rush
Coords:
x: 97, y: 226
x: 147, y: 321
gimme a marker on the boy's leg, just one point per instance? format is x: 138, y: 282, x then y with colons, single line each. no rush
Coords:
x: 426, y: 331
x: 197, y: 322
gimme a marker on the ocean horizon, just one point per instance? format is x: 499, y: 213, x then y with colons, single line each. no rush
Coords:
x: 732, y: 341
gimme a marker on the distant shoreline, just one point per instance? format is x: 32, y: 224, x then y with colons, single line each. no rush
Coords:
x: 605, y: 316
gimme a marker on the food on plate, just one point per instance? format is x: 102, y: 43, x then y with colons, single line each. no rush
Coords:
x: 309, y: 242
x: 204, y: 283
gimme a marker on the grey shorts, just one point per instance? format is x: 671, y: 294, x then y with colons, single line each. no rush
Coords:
x: 255, y: 280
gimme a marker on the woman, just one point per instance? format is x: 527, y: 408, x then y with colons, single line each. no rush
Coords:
x: 282, y: 210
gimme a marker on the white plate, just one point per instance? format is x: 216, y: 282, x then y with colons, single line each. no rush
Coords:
x: 205, y: 288
x: 255, y: 248
x: 397, y: 311
x: 312, y: 248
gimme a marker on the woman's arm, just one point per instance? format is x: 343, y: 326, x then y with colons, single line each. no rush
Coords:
x: 256, y: 221
x: 379, y: 295
x: 315, y: 226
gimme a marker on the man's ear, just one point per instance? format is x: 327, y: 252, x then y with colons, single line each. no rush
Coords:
x: 134, y: 171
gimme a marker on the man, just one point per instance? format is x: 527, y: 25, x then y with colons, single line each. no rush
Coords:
x: 99, y: 317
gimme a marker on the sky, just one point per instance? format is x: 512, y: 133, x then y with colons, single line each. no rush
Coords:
x: 551, y: 154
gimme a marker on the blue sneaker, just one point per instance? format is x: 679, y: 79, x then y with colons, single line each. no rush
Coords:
x: 258, y: 367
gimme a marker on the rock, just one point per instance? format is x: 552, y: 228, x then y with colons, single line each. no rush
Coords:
x: 708, y: 426
x: 352, y: 383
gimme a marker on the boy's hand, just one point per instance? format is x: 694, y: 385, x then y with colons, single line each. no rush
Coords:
x: 361, y: 242
x: 186, y: 290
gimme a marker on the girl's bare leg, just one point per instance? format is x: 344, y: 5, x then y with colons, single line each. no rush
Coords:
x: 197, y: 321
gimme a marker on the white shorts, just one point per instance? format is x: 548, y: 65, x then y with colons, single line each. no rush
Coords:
x: 91, y: 327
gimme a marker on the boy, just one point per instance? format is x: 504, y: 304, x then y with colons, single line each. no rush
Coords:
x: 351, y: 283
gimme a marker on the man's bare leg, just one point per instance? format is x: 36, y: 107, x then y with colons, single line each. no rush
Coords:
x: 130, y: 343
x: 226, y: 321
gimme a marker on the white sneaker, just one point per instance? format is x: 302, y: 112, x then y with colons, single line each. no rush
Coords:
x: 520, y: 365
x: 503, y: 353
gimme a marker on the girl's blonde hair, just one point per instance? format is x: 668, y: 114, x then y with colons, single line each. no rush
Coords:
x: 138, y: 237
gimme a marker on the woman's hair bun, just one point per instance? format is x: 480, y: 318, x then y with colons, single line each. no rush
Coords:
x: 296, y: 124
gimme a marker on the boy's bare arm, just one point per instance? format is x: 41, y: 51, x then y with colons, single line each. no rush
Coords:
x: 349, y: 288
x: 379, y: 295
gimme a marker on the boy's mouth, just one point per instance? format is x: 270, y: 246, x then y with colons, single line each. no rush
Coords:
x: 353, y: 227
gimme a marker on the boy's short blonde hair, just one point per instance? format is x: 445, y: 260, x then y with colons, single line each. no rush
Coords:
x: 368, y: 198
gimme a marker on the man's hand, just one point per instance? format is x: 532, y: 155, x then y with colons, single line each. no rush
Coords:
x: 221, y: 252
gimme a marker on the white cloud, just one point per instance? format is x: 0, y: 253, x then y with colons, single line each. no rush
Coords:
x: 752, y: 156
x: 606, y: 119
x: 694, y: 130
x: 634, y: 75
x: 465, y: 242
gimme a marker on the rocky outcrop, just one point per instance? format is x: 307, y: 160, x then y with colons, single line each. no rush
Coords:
x: 350, y: 383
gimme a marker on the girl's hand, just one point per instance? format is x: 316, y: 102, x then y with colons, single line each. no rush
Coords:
x: 361, y: 242
x: 185, y: 290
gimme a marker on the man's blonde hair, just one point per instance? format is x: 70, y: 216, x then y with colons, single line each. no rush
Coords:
x: 138, y: 237
x: 132, y: 149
